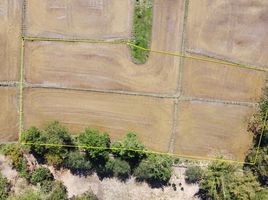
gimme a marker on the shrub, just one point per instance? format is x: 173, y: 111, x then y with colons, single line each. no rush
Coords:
x: 142, y: 29
x: 77, y: 163
x: 41, y: 142
x: 4, y: 187
x: 155, y: 168
x: 59, y: 192
x: 224, y: 181
x: 41, y: 174
x: 129, y: 142
x: 28, y: 194
x: 193, y: 174
x: 261, y: 195
x: 94, y: 138
x: 86, y: 196
x: 14, y: 152
x: 119, y: 168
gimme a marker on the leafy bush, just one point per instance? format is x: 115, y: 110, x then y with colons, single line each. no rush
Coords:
x: 4, y: 187
x: 261, y: 195
x: 28, y: 194
x: 155, y: 168
x: 99, y: 141
x: 86, y: 196
x: 129, y: 142
x: 142, y: 29
x: 41, y: 174
x: 59, y: 192
x: 77, y: 163
x: 49, y: 144
x: 15, y: 153
x: 223, y: 181
x: 119, y: 168
x: 193, y: 174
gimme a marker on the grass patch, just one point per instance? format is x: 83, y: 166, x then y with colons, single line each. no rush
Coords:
x: 143, y: 17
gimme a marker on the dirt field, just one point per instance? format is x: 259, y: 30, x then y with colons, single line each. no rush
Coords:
x: 109, y: 66
x: 9, y: 115
x: 150, y: 118
x: 205, y: 129
x: 214, y: 81
x: 228, y: 30
x: 97, y: 66
x: 10, y: 25
x: 233, y: 29
x: 79, y: 19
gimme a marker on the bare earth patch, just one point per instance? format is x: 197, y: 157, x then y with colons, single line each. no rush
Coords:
x: 112, y: 188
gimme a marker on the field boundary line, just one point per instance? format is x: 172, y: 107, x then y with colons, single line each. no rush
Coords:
x: 21, y: 90
x: 147, y: 49
x: 116, y: 92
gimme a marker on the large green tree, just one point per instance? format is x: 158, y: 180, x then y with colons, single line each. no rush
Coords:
x: 119, y: 168
x: 155, y: 168
x: 130, y: 149
x: 50, y: 144
x: 226, y: 181
x: 78, y: 163
x: 95, y: 143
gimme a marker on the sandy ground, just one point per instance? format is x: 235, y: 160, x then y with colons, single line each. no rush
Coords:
x: 9, y: 114
x: 150, y: 118
x: 214, y: 81
x: 233, y: 29
x: 113, y: 189
x: 10, y: 25
x: 205, y: 129
x: 18, y: 184
x: 96, y: 19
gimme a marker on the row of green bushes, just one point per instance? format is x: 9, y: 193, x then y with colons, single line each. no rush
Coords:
x: 94, y: 151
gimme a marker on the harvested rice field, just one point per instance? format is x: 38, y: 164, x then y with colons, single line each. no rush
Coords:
x: 9, y: 115
x: 98, y: 19
x: 10, y: 31
x: 117, y: 114
x: 212, y: 130
x: 176, y: 105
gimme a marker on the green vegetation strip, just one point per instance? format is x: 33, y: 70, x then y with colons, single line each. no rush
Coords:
x: 143, y: 17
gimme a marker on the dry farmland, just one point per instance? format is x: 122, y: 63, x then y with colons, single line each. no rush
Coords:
x: 236, y: 30
x: 10, y: 31
x: 212, y: 129
x: 79, y: 19
x: 175, y: 105
x: 9, y: 114
x: 114, y: 113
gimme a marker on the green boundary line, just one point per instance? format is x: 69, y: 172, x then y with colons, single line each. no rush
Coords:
x: 23, y: 39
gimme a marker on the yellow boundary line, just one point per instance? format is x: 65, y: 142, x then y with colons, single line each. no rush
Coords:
x: 264, y: 69
x: 21, y: 89
x: 23, y: 39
